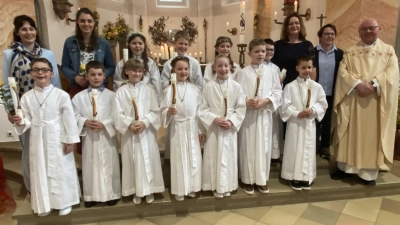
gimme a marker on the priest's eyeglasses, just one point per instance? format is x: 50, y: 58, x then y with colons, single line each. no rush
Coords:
x: 371, y: 28
x: 37, y: 70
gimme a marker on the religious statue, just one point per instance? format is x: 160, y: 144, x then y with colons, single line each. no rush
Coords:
x: 62, y: 8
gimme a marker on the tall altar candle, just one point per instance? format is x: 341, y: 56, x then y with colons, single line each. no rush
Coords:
x: 275, y: 14
x: 166, y: 51
x: 242, y: 22
x: 295, y: 6
x: 162, y: 52
x: 125, y: 54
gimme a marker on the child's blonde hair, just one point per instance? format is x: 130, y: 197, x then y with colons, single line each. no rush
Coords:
x: 181, y: 34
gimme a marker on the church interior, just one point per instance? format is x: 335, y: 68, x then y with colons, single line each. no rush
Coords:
x: 330, y: 202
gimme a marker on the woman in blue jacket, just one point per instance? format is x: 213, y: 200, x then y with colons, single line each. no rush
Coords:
x: 83, y: 47
x: 26, y: 46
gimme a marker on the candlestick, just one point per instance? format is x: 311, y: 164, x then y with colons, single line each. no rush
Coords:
x: 125, y: 54
x: 173, y: 85
x: 295, y: 6
x: 15, y: 98
x: 94, y: 103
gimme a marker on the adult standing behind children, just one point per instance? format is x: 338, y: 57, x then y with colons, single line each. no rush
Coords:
x: 365, y: 102
x: 326, y: 65
x: 83, y: 47
x: 26, y: 46
x: 292, y: 44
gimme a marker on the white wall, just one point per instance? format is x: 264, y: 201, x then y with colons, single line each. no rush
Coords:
x: 312, y: 26
x: 58, y: 29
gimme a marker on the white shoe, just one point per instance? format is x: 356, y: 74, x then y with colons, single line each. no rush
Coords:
x: 179, y: 198
x: 137, y: 200
x: 65, y: 211
x: 45, y: 214
x: 150, y: 198
x: 192, y: 194
x: 218, y: 195
x: 227, y: 194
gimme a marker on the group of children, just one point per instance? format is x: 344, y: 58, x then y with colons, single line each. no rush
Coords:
x: 231, y: 114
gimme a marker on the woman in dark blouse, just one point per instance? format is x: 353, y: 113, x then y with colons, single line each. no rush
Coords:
x: 292, y: 44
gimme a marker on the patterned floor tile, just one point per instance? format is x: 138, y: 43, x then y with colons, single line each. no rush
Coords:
x: 351, y: 220
x: 374, y: 203
x: 192, y: 221
x: 235, y: 219
x: 361, y: 211
x: 391, y: 206
x: 252, y: 213
x: 321, y: 215
x: 303, y: 221
x: 336, y: 206
x: 296, y: 209
x: 393, y: 197
x: 210, y: 217
x: 165, y: 220
x: 276, y: 217
x: 388, y: 218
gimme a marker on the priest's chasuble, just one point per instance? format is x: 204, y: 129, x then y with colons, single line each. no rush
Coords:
x: 364, y: 128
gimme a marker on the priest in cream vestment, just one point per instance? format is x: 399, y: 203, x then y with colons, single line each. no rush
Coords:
x: 365, y: 106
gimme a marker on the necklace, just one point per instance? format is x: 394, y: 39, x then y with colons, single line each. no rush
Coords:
x: 40, y: 104
x: 301, y: 95
x: 182, y: 98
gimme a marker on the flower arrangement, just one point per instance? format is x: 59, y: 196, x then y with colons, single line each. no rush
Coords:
x: 122, y: 28
x: 82, y: 69
x: 5, y: 96
x: 109, y: 32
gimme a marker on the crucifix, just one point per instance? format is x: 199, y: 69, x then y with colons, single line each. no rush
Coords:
x: 321, y: 19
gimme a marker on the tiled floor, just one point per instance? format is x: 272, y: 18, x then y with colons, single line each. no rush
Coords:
x: 368, y: 211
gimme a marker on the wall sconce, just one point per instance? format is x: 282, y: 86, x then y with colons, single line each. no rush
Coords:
x: 291, y: 6
x: 233, y: 31
x: 62, y: 8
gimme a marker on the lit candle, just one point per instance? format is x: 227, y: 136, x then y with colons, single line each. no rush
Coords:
x: 195, y: 54
x: 190, y: 54
x: 227, y: 25
x: 200, y: 54
x: 171, y: 51
x: 276, y: 14
x: 242, y: 7
x: 162, y: 55
x: 125, y: 54
x: 295, y: 6
x: 166, y: 51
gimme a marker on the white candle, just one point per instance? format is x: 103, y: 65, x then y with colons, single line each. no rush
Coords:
x: 295, y: 6
x: 242, y: 27
x: 282, y: 75
x: 171, y: 51
x: 190, y: 54
x: 200, y: 54
x: 125, y: 54
x: 242, y: 7
x: 276, y: 14
x: 195, y: 54
x: 241, y: 39
x: 227, y: 25
x: 173, y: 83
x: 166, y: 51
x: 162, y: 54
x: 173, y: 78
x: 134, y: 95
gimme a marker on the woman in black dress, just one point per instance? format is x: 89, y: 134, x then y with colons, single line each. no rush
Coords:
x: 292, y: 44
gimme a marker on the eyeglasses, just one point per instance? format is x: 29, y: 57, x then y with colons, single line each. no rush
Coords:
x: 371, y: 28
x: 44, y: 70
x: 269, y: 50
x: 294, y: 23
x: 329, y: 34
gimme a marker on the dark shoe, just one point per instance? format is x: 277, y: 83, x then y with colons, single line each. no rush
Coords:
x: 112, y: 202
x: 324, y: 153
x: 305, y: 185
x: 339, y: 175
x: 369, y: 182
x: 89, y: 204
x: 296, y: 185
x: 275, y: 162
x: 263, y: 189
x: 248, y: 189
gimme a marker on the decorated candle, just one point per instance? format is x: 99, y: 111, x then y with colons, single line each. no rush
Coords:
x: 15, y: 98
x: 295, y: 6
x: 173, y: 85
x: 94, y: 102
